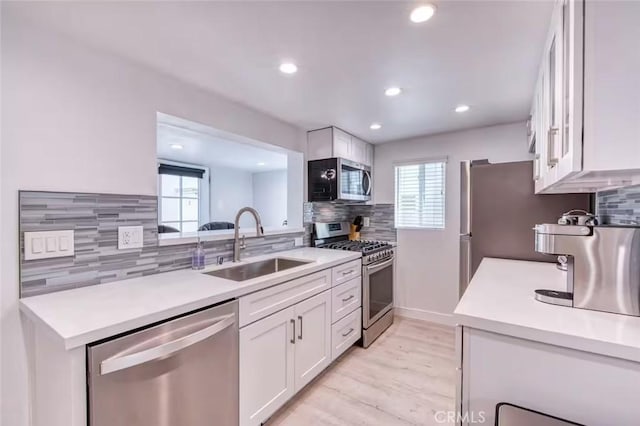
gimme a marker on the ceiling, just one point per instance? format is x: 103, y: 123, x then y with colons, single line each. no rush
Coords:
x: 202, y: 146
x: 481, y: 53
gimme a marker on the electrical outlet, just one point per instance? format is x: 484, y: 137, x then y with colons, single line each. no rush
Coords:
x: 366, y: 221
x: 130, y: 237
x: 298, y: 241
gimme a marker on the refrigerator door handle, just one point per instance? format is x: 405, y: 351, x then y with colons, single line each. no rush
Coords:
x: 465, y: 197
x: 465, y: 263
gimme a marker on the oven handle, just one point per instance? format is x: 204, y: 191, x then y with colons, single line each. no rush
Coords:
x: 375, y: 267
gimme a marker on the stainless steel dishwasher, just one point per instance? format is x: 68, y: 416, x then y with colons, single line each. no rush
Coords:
x: 180, y: 372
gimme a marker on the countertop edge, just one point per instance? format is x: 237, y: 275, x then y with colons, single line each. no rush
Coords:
x: 563, y: 340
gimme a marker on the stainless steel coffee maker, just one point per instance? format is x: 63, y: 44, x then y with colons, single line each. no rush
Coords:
x: 603, y: 266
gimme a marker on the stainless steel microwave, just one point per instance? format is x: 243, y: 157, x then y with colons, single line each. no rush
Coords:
x: 335, y: 179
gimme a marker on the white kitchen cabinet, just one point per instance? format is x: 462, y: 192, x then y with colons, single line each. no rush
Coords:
x: 333, y: 142
x: 313, y: 338
x: 578, y: 386
x: 346, y: 332
x: 267, y: 352
x: 282, y: 353
x: 588, y: 128
x: 346, y: 298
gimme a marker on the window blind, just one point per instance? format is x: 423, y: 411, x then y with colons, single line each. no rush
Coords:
x: 170, y: 169
x: 420, y: 195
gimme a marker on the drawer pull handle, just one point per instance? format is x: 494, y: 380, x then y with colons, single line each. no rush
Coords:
x: 348, y: 332
x: 348, y: 298
x: 348, y: 272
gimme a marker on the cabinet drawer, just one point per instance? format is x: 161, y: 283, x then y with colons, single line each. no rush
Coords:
x: 345, y: 298
x: 347, y: 271
x: 265, y: 302
x: 345, y: 333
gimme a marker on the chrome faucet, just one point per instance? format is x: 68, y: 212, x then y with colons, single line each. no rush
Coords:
x: 237, y: 245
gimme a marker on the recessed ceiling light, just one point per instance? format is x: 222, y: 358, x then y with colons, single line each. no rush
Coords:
x: 375, y: 126
x: 393, y: 91
x: 261, y: 164
x: 462, y: 108
x: 288, y: 68
x: 176, y: 146
x: 422, y: 13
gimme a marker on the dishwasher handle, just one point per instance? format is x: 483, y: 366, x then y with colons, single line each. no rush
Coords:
x: 166, y: 349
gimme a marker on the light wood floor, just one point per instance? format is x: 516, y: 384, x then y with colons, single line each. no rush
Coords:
x: 402, y: 379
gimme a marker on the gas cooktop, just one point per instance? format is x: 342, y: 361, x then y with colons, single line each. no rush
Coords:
x: 365, y: 246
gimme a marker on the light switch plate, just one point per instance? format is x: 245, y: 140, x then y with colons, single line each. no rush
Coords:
x: 130, y: 237
x: 298, y: 241
x: 366, y: 221
x: 48, y: 244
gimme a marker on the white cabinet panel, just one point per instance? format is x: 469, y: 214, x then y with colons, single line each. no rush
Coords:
x: 345, y: 298
x: 265, y: 302
x: 313, y: 338
x: 345, y: 333
x: 266, y: 366
x: 341, y: 144
x: 573, y: 385
x: 346, y: 272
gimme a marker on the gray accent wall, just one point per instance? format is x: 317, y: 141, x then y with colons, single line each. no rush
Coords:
x: 620, y: 206
x: 95, y: 219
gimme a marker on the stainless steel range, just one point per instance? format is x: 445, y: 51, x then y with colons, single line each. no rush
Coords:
x: 377, y: 275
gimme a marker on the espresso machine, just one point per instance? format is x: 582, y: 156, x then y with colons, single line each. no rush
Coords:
x: 602, y: 263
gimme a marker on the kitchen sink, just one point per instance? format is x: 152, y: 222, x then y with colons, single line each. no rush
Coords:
x: 257, y: 269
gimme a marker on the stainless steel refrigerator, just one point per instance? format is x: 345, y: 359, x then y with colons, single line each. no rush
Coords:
x: 498, y: 209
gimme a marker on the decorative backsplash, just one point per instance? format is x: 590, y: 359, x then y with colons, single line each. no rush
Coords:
x: 620, y: 206
x: 95, y: 219
x: 381, y: 225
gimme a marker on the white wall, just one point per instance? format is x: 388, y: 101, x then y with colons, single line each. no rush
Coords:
x: 230, y: 189
x: 76, y: 119
x: 270, y: 197
x: 427, y: 260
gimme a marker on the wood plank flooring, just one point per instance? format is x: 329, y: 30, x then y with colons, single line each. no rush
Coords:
x: 406, y: 376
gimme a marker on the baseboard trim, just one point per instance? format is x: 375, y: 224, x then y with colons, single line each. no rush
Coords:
x: 420, y: 314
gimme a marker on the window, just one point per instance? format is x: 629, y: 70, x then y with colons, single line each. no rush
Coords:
x: 420, y: 198
x: 179, y: 198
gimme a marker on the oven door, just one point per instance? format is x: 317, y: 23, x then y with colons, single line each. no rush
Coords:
x: 377, y: 287
x: 354, y: 181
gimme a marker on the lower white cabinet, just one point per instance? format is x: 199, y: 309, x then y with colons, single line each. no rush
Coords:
x: 280, y: 354
x: 267, y: 356
x: 345, y: 333
x: 313, y: 338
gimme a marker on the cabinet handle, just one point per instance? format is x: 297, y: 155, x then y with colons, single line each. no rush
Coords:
x: 300, y: 335
x: 536, y: 167
x: 348, y: 298
x: 293, y: 337
x: 348, y: 332
x: 552, y: 160
x: 348, y: 272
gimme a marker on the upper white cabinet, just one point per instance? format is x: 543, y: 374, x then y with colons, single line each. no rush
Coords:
x: 585, y: 115
x: 333, y: 142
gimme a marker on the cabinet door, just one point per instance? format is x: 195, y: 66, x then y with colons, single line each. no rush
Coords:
x: 341, y: 144
x: 266, y: 366
x: 358, y: 150
x: 553, y: 96
x: 569, y: 142
x: 313, y: 338
x: 369, y: 155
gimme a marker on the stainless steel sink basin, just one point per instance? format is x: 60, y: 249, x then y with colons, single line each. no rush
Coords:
x: 257, y: 269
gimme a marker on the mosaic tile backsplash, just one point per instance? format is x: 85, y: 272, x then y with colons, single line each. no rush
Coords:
x: 381, y: 226
x: 620, y: 206
x: 95, y: 219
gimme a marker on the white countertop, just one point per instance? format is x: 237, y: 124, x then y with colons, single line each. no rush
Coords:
x: 500, y: 298
x: 88, y: 314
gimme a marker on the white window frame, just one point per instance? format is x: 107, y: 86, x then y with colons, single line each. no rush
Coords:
x: 396, y: 166
x: 203, y: 193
